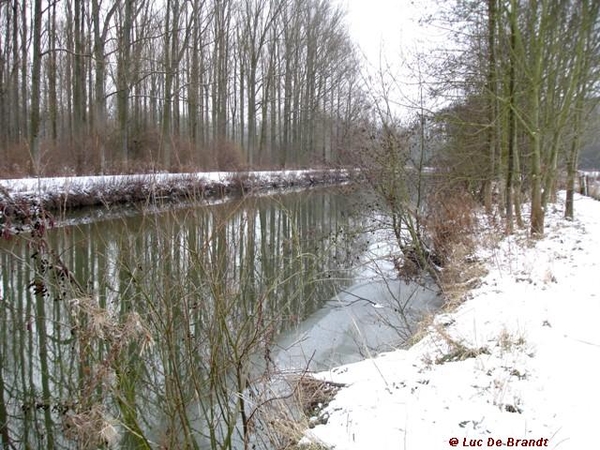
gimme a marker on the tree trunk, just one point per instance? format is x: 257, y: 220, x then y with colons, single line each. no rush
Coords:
x: 512, y: 123
x: 79, y: 96
x: 34, y: 128
x: 492, y: 102
x: 535, y: 132
x: 123, y: 82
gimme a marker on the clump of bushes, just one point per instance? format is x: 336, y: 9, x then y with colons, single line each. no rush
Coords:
x: 450, y: 222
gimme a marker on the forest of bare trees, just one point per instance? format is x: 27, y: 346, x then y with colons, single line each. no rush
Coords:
x: 92, y: 86
x: 524, y: 88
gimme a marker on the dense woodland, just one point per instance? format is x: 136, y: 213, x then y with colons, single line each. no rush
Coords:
x: 91, y: 86
x: 96, y: 86
x: 524, y: 91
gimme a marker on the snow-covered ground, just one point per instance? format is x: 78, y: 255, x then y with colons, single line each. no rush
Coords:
x: 66, y: 184
x: 20, y: 198
x: 516, y: 365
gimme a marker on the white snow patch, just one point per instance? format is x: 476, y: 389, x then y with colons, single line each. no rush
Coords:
x: 66, y: 184
x: 532, y: 365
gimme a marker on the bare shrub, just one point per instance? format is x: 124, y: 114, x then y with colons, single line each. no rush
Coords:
x: 450, y: 221
x: 15, y: 162
x: 228, y: 156
x: 183, y: 155
x: 451, y: 225
x: 91, y: 428
x: 144, y: 146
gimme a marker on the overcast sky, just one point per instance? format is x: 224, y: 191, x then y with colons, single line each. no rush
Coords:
x: 390, y: 29
x: 391, y: 23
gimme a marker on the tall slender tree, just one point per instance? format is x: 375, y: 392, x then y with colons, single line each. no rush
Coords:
x: 36, y: 73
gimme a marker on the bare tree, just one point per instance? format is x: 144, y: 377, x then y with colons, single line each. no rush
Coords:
x: 36, y: 73
x: 123, y: 81
x: 100, y: 31
x: 526, y: 86
x: 136, y: 82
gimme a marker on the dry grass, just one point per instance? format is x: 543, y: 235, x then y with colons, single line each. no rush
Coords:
x: 285, y: 418
x: 313, y: 395
x: 508, y: 341
x: 461, y: 274
x: 452, y: 226
x: 458, y: 351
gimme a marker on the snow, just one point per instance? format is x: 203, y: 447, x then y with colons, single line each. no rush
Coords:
x: 518, y: 360
x: 112, y: 190
x: 66, y: 184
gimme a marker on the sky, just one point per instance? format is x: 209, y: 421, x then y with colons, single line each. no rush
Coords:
x: 382, y: 25
x: 389, y: 34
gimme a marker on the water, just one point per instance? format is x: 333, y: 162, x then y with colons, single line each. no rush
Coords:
x: 361, y: 321
x: 146, y: 330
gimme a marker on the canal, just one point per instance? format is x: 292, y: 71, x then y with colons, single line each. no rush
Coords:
x: 149, y: 328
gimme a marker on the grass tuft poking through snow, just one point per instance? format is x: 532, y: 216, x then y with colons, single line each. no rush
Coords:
x: 516, y: 364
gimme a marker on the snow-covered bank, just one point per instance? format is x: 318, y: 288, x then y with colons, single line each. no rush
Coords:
x: 516, y: 365
x: 17, y: 196
x: 37, y: 186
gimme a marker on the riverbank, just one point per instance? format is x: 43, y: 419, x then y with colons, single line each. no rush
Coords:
x: 514, y: 365
x: 19, y: 196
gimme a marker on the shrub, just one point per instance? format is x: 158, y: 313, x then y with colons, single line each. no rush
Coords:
x: 228, y: 156
x: 450, y: 221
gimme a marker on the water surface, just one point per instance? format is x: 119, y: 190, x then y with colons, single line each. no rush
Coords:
x: 146, y: 329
